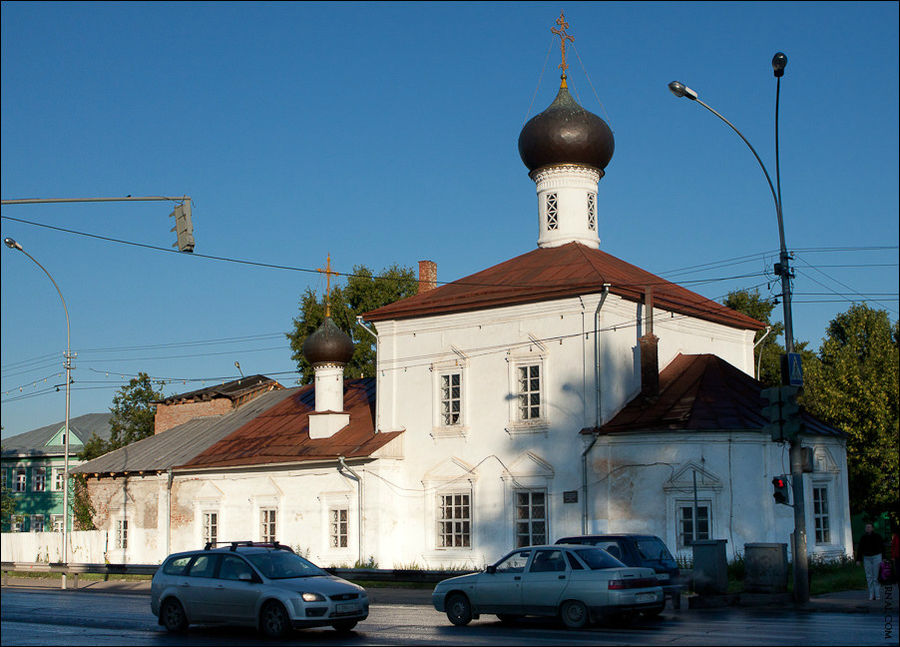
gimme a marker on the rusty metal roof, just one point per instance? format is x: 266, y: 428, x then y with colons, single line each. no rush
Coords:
x: 554, y: 273
x: 701, y: 393
x: 281, y: 433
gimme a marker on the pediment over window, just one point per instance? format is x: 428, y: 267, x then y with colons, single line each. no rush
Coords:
x: 267, y: 488
x: 208, y: 492
x: 528, y: 464
x: 683, y: 479
x: 450, y: 469
x: 824, y: 461
x: 58, y: 439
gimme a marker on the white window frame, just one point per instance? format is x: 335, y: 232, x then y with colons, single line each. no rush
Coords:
x: 530, y: 537
x: 58, y: 479
x: 268, y: 524
x: 456, y: 526
x: 592, y: 210
x: 56, y: 521
x: 38, y: 478
x: 439, y: 372
x: 551, y: 211
x: 338, y: 527
x: 16, y: 522
x: 209, y: 526
x: 121, y: 530
x: 680, y: 506
x: 21, y: 479
x: 534, y: 355
x: 821, y: 515
x: 37, y: 523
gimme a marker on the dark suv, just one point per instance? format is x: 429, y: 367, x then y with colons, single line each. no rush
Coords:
x: 639, y: 550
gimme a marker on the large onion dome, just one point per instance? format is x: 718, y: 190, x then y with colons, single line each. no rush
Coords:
x: 566, y: 133
x: 328, y: 345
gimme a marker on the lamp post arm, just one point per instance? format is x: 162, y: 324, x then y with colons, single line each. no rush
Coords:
x: 61, y: 298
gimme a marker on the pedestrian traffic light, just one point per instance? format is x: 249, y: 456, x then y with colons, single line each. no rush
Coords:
x: 772, y: 412
x: 184, y: 228
x: 782, y: 413
x: 780, y: 490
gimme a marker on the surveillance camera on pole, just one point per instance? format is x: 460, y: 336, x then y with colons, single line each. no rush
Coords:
x: 184, y: 228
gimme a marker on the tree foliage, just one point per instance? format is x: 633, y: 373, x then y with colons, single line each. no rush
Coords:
x: 363, y: 292
x: 854, y: 387
x: 7, y: 503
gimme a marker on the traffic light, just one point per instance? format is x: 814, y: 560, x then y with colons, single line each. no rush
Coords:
x: 184, y: 228
x: 772, y: 412
x: 780, y: 490
x: 782, y: 412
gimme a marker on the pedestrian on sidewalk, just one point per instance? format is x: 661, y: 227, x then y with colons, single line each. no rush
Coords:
x: 868, y: 552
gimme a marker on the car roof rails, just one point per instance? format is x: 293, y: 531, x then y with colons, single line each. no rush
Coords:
x: 258, y: 544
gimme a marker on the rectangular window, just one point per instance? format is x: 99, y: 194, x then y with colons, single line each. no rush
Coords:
x: 58, y: 474
x: 531, y: 518
x: 451, y: 399
x: 690, y: 529
x: 592, y: 211
x: 210, y: 528
x: 338, y: 527
x: 21, y: 479
x: 552, y: 212
x: 267, y: 525
x: 57, y: 522
x: 820, y: 514
x: 17, y: 522
x: 529, y: 387
x: 122, y: 533
x: 39, y: 478
x: 454, y: 521
x: 37, y: 523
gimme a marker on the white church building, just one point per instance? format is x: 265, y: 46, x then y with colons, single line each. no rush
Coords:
x: 561, y: 392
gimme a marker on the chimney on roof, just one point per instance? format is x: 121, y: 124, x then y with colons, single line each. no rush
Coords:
x: 427, y: 276
x: 649, y: 344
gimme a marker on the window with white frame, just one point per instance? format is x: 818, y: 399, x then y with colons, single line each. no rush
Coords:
x: 58, y: 476
x: 820, y: 514
x: 454, y: 520
x: 529, y: 392
x: 21, y: 479
x: 56, y: 521
x: 451, y: 400
x: 37, y: 523
x: 267, y: 525
x: 592, y: 211
x: 17, y: 523
x: 39, y: 479
x: 552, y: 208
x: 338, y: 526
x: 693, y: 527
x: 531, y: 517
x: 121, y: 533
x: 210, y: 527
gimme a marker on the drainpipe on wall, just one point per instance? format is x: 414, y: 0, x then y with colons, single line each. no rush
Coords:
x: 169, y: 477
x: 359, y: 506
x: 598, y: 409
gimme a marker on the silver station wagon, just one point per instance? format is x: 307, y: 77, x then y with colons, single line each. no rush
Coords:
x: 579, y: 584
x: 266, y: 586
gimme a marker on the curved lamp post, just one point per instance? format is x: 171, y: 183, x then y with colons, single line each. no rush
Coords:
x: 783, y: 269
x: 12, y: 244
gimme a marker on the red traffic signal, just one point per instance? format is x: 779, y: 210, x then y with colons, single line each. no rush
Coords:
x: 780, y: 490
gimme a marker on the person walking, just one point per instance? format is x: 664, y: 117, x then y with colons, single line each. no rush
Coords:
x: 869, y: 553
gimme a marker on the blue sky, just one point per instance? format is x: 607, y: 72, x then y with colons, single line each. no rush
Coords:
x: 386, y: 133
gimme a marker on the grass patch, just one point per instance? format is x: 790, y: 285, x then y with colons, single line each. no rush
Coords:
x: 86, y: 577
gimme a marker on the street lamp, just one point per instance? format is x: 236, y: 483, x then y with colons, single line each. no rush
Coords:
x: 783, y: 269
x: 12, y: 244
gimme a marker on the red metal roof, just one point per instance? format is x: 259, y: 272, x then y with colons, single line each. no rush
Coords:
x: 281, y: 433
x: 701, y: 393
x: 555, y: 273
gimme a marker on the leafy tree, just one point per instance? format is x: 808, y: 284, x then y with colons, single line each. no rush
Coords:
x: 854, y: 387
x: 362, y: 293
x: 7, y: 504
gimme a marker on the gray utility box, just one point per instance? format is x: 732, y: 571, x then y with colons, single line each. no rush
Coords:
x: 710, y: 567
x: 767, y: 568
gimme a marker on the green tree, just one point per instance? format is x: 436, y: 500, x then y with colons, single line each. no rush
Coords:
x: 7, y: 504
x: 363, y: 292
x: 854, y: 387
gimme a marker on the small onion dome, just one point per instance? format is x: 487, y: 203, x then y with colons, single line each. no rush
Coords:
x: 328, y: 345
x: 566, y: 133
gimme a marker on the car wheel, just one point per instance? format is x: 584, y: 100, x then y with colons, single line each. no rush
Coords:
x: 172, y: 616
x: 344, y: 626
x: 574, y: 614
x: 655, y: 611
x: 273, y: 620
x: 508, y: 618
x: 459, y: 611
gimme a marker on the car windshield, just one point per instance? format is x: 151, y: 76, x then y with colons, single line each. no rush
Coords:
x: 281, y: 565
x: 598, y: 559
x: 653, y: 549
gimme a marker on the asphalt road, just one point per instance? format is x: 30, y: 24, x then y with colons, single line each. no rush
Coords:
x: 53, y: 617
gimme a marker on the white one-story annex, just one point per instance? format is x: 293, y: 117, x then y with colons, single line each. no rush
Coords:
x: 561, y: 392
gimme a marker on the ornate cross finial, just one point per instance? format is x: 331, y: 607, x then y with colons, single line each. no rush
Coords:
x: 328, y: 272
x: 563, y: 37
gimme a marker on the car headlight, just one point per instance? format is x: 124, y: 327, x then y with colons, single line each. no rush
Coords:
x: 312, y: 597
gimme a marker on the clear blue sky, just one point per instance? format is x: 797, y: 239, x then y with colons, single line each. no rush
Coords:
x: 386, y: 133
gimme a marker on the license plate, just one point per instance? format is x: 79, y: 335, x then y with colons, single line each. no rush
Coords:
x: 645, y: 597
x: 347, y: 607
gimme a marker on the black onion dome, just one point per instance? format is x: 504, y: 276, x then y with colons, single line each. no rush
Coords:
x: 329, y: 344
x: 566, y: 133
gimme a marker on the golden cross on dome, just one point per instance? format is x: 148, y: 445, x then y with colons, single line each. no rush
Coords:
x: 563, y: 37
x: 328, y: 272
